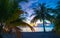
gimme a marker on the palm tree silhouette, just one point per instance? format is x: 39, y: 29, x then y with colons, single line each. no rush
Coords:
x: 42, y: 14
x: 9, y: 16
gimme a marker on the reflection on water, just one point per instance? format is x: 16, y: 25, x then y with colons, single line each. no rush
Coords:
x: 37, y: 29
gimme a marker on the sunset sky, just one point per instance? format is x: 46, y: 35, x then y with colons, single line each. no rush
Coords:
x: 27, y: 7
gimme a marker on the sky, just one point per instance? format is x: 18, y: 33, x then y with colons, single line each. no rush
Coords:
x: 34, y: 3
x: 27, y: 6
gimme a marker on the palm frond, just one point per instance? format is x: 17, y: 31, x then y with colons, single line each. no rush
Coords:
x: 35, y: 19
x: 49, y: 17
x: 19, y: 22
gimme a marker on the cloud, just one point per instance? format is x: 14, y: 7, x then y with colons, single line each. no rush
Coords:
x: 34, y: 3
x: 27, y: 6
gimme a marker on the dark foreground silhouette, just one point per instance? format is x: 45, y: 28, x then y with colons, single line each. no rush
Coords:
x: 33, y: 35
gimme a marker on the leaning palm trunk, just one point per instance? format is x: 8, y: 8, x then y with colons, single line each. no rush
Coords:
x: 9, y: 13
x: 12, y: 29
x: 8, y: 28
x: 18, y: 32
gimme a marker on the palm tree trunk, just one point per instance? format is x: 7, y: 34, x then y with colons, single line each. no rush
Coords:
x: 43, y: 25
x: 18, y: 32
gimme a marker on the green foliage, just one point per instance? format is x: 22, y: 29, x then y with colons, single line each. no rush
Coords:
x: 7, y: 9
x: 10, y: 13
x: 57, y: 17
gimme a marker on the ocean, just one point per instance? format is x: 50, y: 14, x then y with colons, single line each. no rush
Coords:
x: 33, y: 35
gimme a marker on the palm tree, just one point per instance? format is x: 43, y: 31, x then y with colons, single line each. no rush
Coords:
x: 42, y: 14
x: 56, y: 21
x: 9, y: 16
